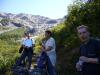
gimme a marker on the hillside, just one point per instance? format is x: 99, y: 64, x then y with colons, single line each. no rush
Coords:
x: 35, y: 23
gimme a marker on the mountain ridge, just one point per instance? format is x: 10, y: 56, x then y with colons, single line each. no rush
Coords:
x: 35, y: 22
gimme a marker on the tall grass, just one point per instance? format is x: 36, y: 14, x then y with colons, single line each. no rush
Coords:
x: 9, y: 49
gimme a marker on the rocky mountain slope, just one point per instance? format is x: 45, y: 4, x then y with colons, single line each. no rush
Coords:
x: 35, y: 23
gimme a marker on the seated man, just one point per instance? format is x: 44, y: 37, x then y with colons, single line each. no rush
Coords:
x: 48, y: 55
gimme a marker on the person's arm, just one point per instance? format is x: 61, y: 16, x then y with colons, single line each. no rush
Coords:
x: 89, y: 60
x: 49, y: 45
x: 21, y: 49
x: 22, y: 46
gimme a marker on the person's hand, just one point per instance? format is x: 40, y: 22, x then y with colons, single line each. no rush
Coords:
x: 78, y: 66
x: 43, y: 48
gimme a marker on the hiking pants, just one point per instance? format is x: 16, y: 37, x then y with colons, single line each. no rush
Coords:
x: 28, y: 52
x: 44, y: 62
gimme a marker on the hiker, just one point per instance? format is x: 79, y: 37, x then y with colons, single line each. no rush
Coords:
x: 28, y: 45
x: 48, y: 55
x: 89, y: 60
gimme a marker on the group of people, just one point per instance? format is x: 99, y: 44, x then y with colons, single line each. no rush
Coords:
x: 89, y: 60
x: 47, y: 59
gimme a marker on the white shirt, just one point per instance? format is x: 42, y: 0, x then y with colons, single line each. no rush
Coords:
x: 50, y: 43
x: 23, y: 39
x: 52, y: 53
x: 28, y: 42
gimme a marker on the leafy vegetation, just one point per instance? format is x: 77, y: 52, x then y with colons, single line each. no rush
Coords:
x: 9, y: 46
x: 79, y: 13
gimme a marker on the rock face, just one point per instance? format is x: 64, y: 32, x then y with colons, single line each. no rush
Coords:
x: 35, y: 23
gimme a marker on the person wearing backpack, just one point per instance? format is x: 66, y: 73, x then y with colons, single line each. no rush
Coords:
x: 28, y: 45
x: 89, y: 60
x: 48, y: 55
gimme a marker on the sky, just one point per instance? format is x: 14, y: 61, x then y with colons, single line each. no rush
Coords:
x: 49, y: 8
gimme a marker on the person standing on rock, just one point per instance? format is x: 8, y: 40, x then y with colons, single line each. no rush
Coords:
x: 28, y: 46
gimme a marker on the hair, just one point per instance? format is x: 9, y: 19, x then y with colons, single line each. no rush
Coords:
x: 82, y: 26
x: 49, y: 32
